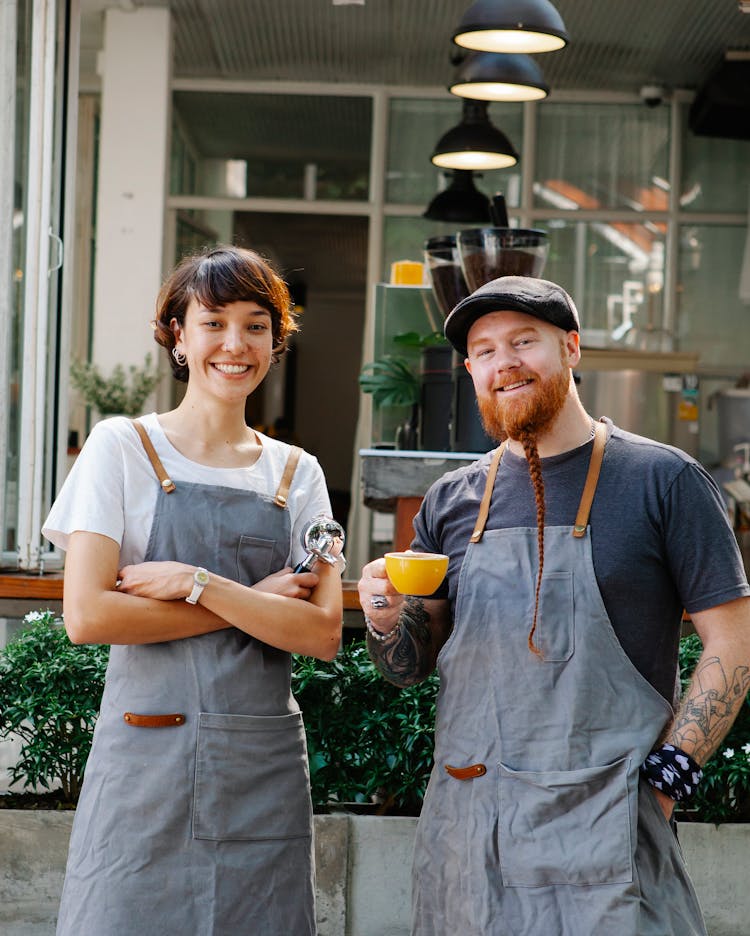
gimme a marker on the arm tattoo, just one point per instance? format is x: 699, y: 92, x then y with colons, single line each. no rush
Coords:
x: 408, y: 656
x: 709, y: 708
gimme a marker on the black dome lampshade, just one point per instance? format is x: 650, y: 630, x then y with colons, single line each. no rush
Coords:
x: 461, y: 202
x: 475, y: 143
x: 511, y: 26
x: 495, y: 76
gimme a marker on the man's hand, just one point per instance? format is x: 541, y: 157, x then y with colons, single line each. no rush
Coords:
x: 666, y: 804
x: 379, y: 599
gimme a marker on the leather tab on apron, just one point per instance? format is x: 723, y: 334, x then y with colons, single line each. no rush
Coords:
x: 466, y: 773
x: 589, y: 488
x: 286, y: 479
x: 484, y: 507
x: 167, y: 484
x: 154, y: 721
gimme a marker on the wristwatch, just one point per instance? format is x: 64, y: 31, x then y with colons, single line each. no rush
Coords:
x: 200, y: 580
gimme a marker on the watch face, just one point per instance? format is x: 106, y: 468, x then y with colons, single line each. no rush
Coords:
x: 201, y: 577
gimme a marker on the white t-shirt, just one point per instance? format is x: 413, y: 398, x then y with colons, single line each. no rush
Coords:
x: 111, y: 488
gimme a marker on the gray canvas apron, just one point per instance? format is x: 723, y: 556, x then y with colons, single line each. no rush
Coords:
x: 543, y: 828
x: 202, y: 827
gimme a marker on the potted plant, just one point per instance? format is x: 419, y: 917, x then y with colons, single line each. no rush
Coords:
x: 50, y: 691
x: 123, y: 392
x: 393, y: 382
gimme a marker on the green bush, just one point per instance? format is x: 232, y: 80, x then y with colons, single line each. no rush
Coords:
x: 368, y: 741
x: 724, y: 793
x: 50, y: 692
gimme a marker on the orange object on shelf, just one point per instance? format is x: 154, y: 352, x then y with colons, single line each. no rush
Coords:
x: 407, y: 273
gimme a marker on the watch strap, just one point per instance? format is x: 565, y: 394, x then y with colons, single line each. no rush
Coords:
x: 200, y: 580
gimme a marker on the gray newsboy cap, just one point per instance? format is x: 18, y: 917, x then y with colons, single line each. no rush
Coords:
x: 537, y: 297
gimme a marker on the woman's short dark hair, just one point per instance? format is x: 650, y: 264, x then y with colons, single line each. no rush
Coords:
x: 218, y: 277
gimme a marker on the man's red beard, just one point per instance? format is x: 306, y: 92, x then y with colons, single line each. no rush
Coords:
x: 533, y: 413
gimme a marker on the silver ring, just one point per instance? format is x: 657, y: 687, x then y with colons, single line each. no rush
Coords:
x: 379, y: 602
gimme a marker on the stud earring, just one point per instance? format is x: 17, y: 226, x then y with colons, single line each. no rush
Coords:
x: 179, y: 356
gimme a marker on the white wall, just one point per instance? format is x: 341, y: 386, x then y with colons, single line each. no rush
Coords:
x: 135, y: 69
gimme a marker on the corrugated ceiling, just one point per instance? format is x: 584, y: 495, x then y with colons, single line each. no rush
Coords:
x: 615, y: 45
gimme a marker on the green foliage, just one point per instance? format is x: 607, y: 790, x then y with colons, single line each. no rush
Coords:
x: 413, y: 339
x: 50, y: 692
x: 367, y: 740
x: 723, y: 794
x: 391, y: 381
x: 123, y: 392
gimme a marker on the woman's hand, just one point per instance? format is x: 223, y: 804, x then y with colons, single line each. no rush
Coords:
x: 379, y: 599
x: 288, y: 584
x: 165, y: 581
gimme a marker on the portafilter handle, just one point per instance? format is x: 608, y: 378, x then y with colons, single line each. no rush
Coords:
x: 323, y: 538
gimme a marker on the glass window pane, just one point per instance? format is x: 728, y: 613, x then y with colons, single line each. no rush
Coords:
x: 714, y: 295
x: 716, y: 174
x: 615, y: 274
x: 598, y: 156
x: 12, y: 359
x: 414, y: 127
x: 272, y: 145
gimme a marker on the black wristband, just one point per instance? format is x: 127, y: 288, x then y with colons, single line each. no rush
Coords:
x: 672, y: 771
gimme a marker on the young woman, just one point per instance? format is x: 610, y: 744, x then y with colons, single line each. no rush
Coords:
x: 182, y: 530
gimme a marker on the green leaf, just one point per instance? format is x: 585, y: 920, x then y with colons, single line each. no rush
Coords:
x: 50, y: 691
x: 391, y: 381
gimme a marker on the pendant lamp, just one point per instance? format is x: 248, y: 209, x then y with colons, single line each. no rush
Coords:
x: 493, y: 76
x: 511, y: 26
x: 461, y: 202
x: 475, y: 143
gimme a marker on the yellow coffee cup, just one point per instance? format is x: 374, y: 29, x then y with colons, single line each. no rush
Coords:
x: 414, y: 573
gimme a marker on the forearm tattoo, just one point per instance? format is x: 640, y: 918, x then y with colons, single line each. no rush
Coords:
x: 408, y: 656
x: 709, y: 708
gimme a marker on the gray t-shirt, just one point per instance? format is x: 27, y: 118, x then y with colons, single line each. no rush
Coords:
x: 660, y: 536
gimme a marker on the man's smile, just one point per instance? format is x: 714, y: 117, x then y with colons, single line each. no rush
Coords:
x: 515, y: 385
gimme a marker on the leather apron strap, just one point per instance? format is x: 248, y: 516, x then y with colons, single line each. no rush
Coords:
x: 587, y: 497
x: 167, y: 484
x: 282, y: 491
x: 484, y: 507
x: 589, y: 488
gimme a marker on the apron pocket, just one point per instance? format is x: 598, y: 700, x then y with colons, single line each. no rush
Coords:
x: 254, y: 557
x: 555, y: 633
x: 565, y: 827
x: 251, y: 778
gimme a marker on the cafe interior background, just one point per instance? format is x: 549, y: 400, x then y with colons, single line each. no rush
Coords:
x: 305, y: 129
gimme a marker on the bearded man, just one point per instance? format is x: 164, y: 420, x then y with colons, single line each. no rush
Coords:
x: 560, y: 748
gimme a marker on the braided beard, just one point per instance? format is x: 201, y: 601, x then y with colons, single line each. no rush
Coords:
x: 535, y: 473
x: 524, y: 420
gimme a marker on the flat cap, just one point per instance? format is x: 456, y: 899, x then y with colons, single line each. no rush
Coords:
x: 540, y: 298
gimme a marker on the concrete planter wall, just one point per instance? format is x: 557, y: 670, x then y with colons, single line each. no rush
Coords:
x: 363, y: 873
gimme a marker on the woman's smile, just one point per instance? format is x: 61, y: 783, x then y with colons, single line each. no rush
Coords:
x: 231, y: 369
